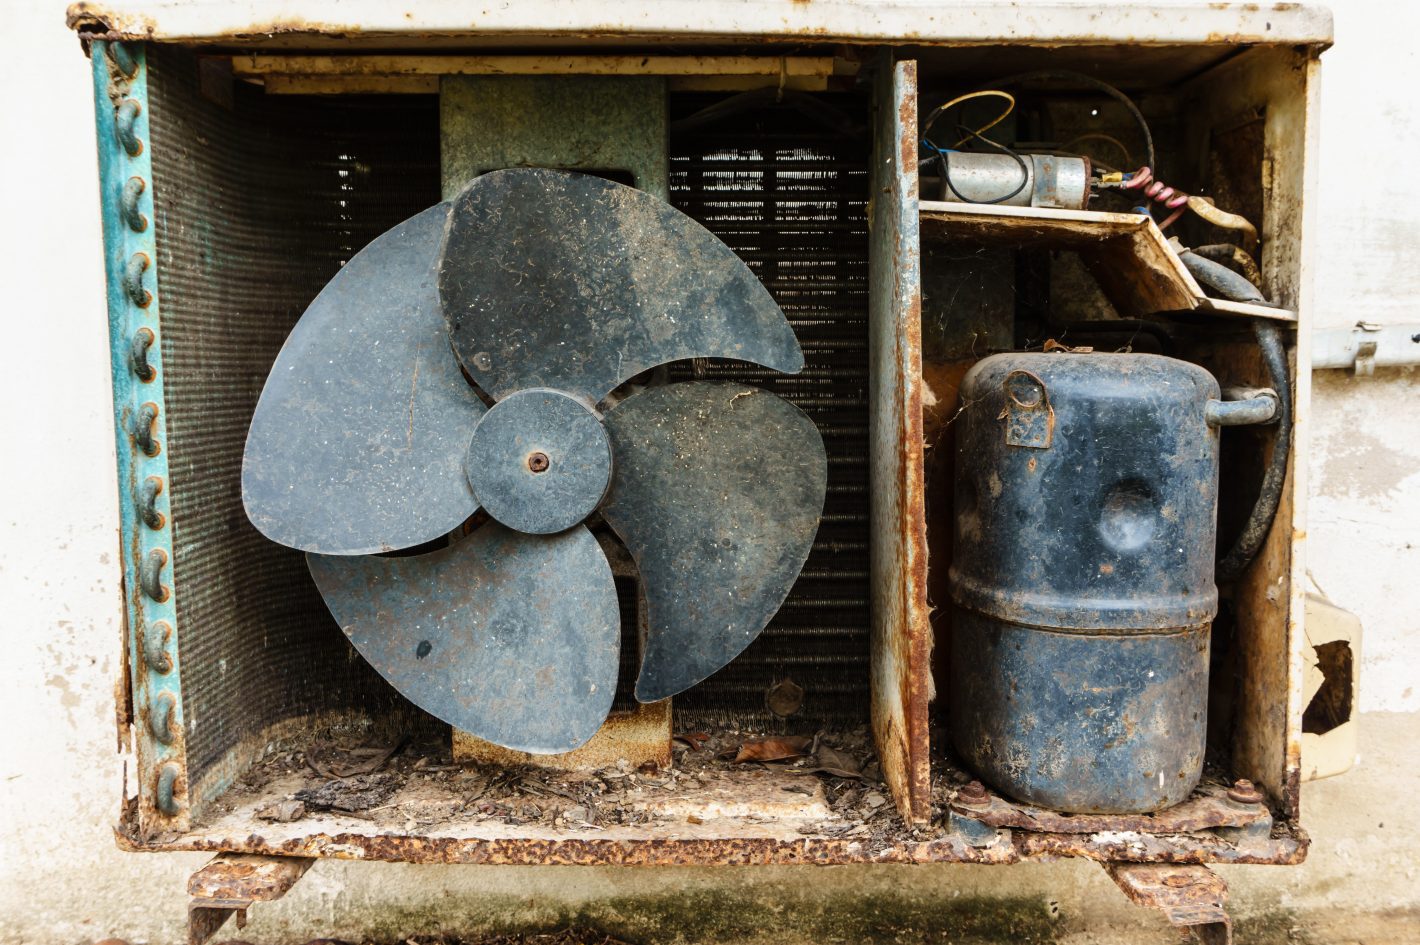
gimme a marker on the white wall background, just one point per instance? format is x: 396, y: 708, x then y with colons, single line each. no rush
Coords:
x: 62, y: 880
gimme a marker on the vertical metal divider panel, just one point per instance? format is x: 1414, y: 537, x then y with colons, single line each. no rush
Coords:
x: 902, y: 634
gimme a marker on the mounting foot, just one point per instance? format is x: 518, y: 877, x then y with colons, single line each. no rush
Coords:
x: 230, y: 883
x: 1190, y: 897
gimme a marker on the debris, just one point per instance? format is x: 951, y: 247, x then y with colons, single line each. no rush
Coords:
x: 833, y: 762
x: 282, y: 812
x: 359, y: 793
x: 874, y: 800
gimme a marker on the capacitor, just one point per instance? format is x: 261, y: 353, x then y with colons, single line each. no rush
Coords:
x: 1009, y: 179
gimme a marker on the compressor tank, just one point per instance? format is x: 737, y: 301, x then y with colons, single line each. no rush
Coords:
x: 1082, y: 580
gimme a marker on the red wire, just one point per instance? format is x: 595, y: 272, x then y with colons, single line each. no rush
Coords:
x: 1143, y: 181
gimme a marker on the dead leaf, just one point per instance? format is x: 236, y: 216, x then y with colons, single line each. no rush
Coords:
x: 1052, y: 345
x: 696, y: 740
x: 773, y: 748
x: 833, y: 762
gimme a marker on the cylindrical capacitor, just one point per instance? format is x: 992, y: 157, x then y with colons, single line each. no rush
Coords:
x: 1082, y: 577
x: 1033, y: 180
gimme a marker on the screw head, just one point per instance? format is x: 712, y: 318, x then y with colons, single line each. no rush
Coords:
x: 538, y: 462
x: 1244, y: 792
x: 973, y: 794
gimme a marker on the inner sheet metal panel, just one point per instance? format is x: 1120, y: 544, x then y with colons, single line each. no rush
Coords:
x: 258, y: 202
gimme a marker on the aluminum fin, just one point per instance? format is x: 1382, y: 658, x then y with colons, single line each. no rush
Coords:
x: 573, y: 282
x: 717, y: 492
x: 358, y: 439
x: 511, y: 637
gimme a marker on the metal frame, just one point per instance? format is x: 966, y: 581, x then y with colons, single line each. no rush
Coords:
x: 130, y: 257
x: 159, y: 820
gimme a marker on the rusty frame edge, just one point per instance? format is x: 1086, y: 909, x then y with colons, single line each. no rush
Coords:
x: 1191, y: 897
x: 231, y: 883
x: 1015, y: 847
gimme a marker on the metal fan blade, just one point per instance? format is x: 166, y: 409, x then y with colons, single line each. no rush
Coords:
x: 568, y: 281
x: 358, y: 439
x: 717, y: 490
x: 509, y: 636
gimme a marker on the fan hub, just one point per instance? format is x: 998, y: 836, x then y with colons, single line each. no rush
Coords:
x: 539, y: 461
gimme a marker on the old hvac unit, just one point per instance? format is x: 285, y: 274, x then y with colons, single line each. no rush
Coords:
x: 542, y: 441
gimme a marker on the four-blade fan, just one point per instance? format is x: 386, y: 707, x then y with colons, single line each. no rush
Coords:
x: 552, y: 290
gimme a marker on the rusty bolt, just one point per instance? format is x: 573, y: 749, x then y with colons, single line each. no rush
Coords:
x: 1243, y: 792
x: 973, y: 794
x: 538, y: 462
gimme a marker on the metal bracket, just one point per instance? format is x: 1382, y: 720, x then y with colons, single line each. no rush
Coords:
x: 1030, y: 420
x: 231, y: 883
x: 1190, y: 897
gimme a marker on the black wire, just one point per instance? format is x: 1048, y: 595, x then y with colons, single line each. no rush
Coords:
x: 1020, y: 162
x: 1097, y: 85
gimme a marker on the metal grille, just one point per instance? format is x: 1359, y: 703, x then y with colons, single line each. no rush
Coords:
x: 258, y: 202
x: 790, y: 197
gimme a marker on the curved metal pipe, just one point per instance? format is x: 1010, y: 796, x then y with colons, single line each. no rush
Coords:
x: 1249, y: 540
x: 1220, y: 279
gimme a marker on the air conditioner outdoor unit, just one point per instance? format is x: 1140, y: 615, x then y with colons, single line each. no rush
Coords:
x: 566, y: 432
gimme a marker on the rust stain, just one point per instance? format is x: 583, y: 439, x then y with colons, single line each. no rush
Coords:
x: 238, y: 877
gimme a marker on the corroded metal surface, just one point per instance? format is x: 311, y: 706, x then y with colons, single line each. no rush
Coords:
x: 244, y: 878
x: 902, y: 644
x: 691, y: 845
x: 231, y: 883
x: 509, y: 636
x: 1208, y: 808
x: 573, y: 282
x: 1191, y: 897
x: 358, y: 441
x: 717, y: 492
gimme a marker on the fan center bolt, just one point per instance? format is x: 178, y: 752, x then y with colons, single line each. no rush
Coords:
x: 509, y: 461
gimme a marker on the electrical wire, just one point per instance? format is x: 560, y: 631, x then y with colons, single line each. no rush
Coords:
x: 1098, y: 86
x: 981, y: 93
x: 1099, y: 136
